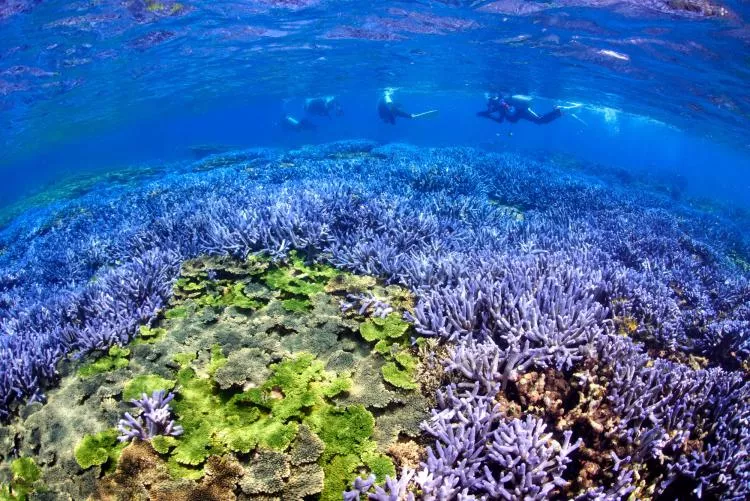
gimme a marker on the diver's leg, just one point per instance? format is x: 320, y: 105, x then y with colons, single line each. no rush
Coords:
x: 401, y: 113
x: 544, y: 119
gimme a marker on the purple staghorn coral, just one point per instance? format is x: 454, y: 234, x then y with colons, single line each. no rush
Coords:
x: 366, y: 304
x: 662, y: 405
x: 396, y: 489
x: 532, y: 465
x: 485, y: 363
x: 536, y: 309
x: 552, y: 283
x: 155, y: 418
x: 480, y: 454
x: 479, y: 451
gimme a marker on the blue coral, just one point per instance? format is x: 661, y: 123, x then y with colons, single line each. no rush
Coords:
x: 154, y: 419
x: 539, y: 285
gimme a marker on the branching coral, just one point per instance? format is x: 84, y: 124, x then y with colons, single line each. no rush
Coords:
x: 547, y: 291
x: 155, y: 418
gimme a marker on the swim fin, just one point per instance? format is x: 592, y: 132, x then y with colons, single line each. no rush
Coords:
x: 424, y: 114
x: 570, y: 106
x: 576, y: 117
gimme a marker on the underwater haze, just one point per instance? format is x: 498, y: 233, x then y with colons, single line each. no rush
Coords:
x: 96, y: 85
x: 417, y: 250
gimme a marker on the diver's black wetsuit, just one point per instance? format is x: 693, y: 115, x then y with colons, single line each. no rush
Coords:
x: 388, y: 110
x: 513, y: 110
x: 323, y: 106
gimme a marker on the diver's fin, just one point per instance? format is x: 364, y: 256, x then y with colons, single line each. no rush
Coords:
x: 576, y: 117
x: 425, y: 114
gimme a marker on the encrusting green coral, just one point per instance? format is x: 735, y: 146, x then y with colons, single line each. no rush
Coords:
x: 391, y: 328
x: 145, y: 384
x: 184, y: 359
x: 347, y: 435
x: 296, y: 305
x: 95, y: 450
x: 399, y: 377
x: 298, y: 278
x: 148, y: 335
x: 116, y: 358
x: 24, y: 481
x: 390, y: 337
x: 218, y: 360
x: 296, y: 396
x: 163, y: 444
x: 217, y: 283
x: 176, y: 312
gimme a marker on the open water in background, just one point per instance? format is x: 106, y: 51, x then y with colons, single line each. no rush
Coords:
x: 93, y: 85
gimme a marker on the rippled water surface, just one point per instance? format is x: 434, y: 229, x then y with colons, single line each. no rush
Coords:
x: 70, y: 68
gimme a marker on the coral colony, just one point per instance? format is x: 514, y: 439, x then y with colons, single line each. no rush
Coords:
x: 595, y: 336
x: 156, y: 415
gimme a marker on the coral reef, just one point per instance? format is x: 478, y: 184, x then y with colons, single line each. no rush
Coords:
x: 602, y: 336
x: 279, y: 413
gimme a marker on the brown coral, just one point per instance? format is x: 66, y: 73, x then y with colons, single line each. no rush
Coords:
x: 139, y: 468
x: 406, y: 454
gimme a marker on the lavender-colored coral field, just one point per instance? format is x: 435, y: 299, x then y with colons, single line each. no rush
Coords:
x: 521, y: 267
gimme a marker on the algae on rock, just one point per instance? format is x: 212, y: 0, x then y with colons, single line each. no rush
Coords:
x: 278, y: 392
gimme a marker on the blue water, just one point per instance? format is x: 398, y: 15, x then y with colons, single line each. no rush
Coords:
x: 590, y: 275
x: 89, y: 86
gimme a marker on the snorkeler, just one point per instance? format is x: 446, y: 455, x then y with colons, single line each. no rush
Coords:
x: 515, y: 108
x: 323, y: 106
x: 388, y: 110
x: 291, y: 123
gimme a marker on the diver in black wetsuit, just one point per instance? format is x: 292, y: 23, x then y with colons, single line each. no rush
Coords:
x: 290, y: 123
x: 388, y: 110
x: 323, y: 106
x: 515, y: 108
